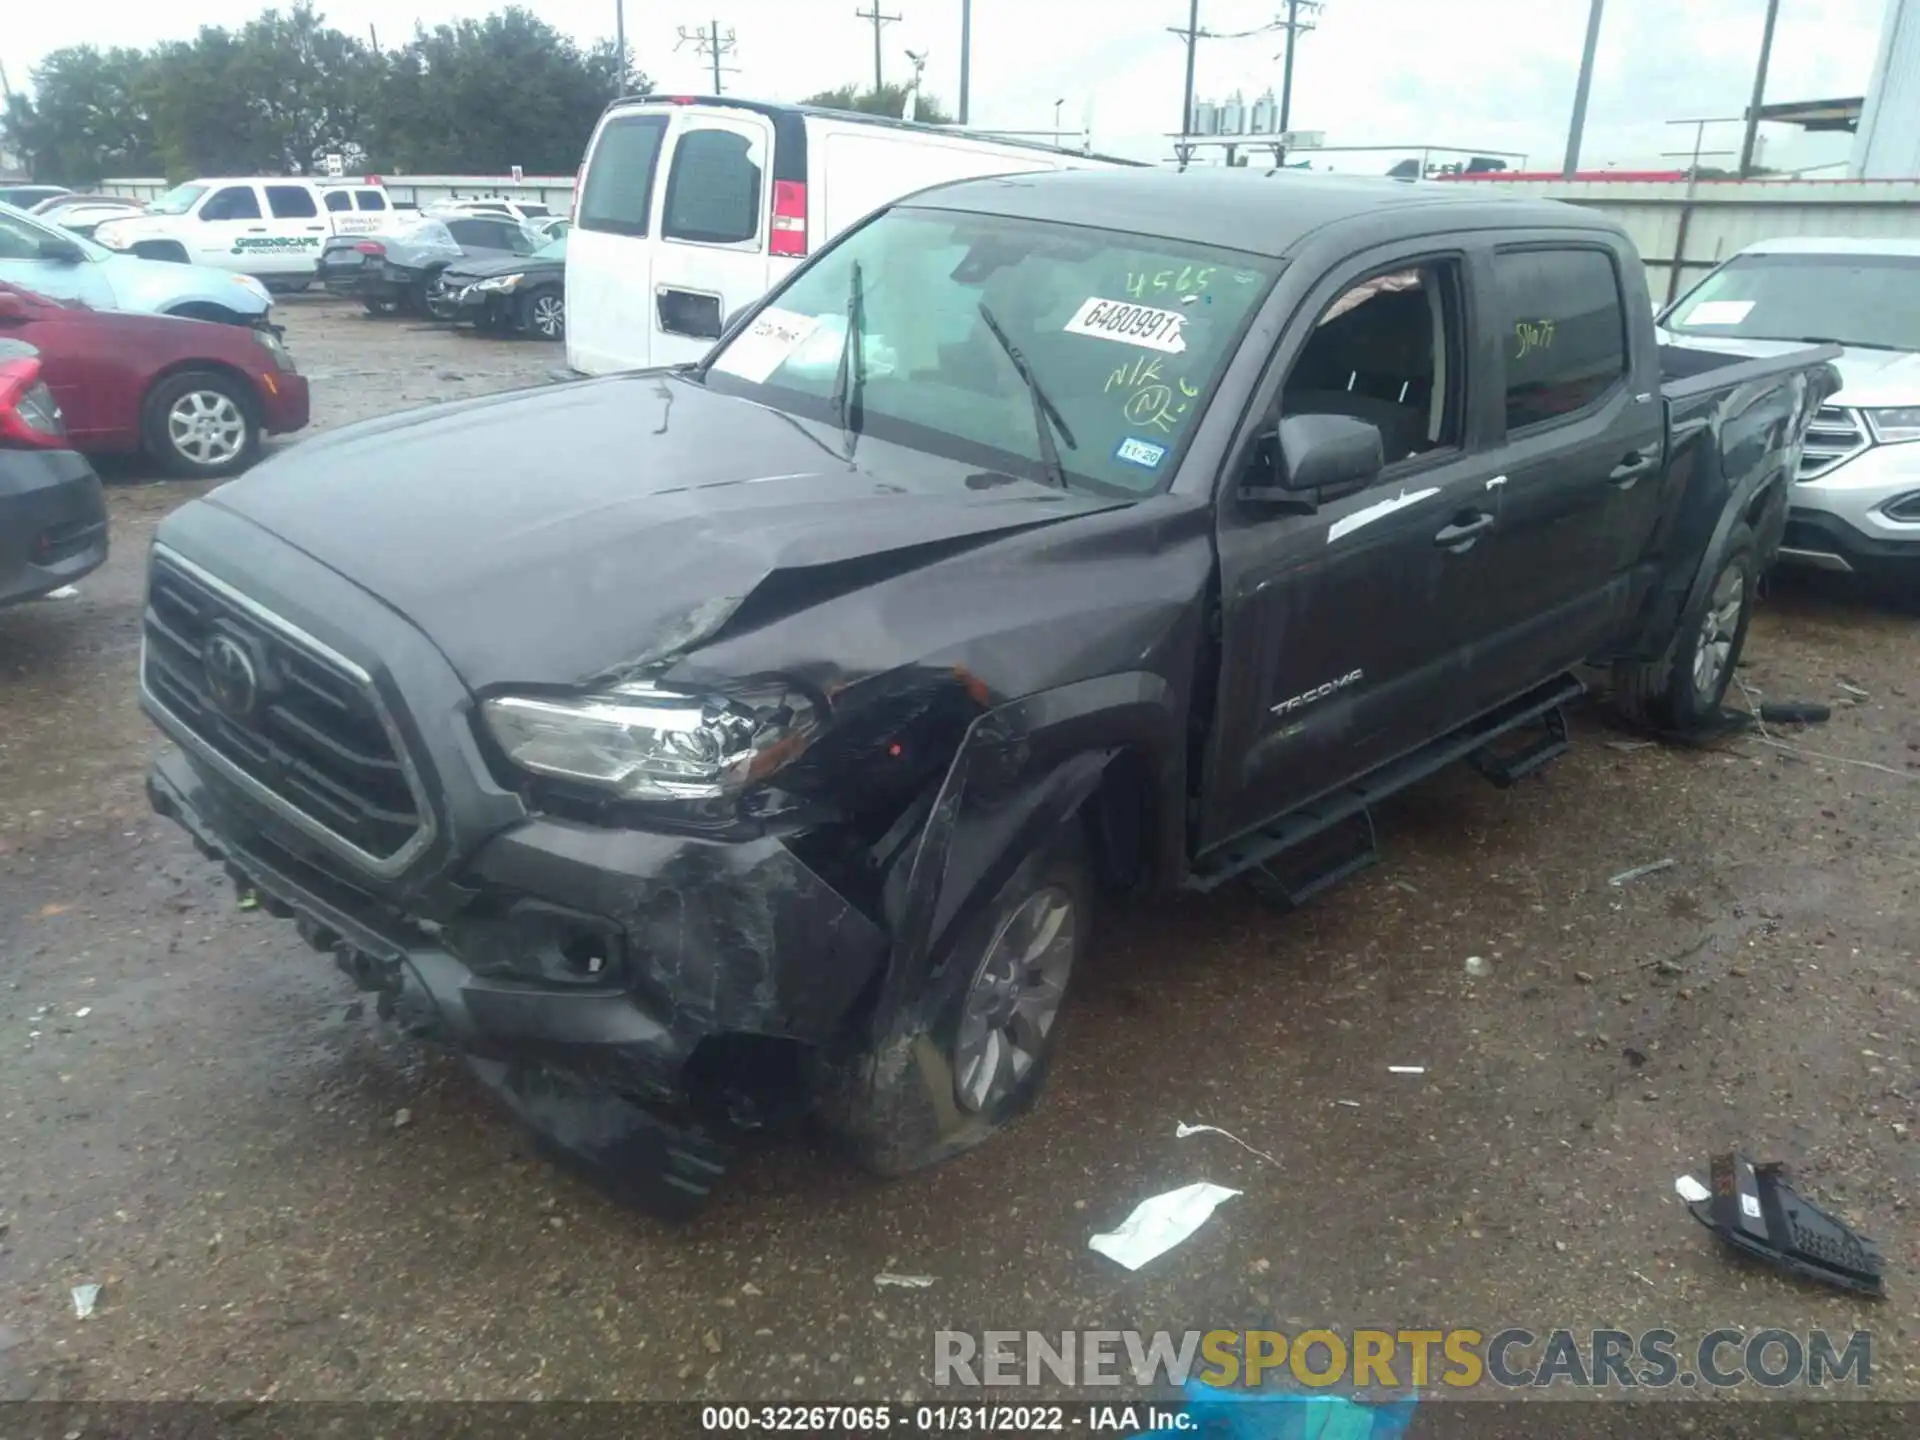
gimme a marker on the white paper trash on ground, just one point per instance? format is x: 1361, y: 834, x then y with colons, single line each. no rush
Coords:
x: 1691, y: 1190
x: 1159, y: 1224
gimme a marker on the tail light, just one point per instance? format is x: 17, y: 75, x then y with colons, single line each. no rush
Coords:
x: 29, y: 418
x: 371, y: 247
x: 789, y: 235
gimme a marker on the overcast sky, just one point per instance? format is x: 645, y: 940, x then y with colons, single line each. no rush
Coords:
x: 1486, y: 74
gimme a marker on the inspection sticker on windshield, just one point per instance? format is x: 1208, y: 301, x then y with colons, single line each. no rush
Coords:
x: 1143, y: 453
x: 1130, y: 325
x: 1718, y: 312
x: 774, y: 335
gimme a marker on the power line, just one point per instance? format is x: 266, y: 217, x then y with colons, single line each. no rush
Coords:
x: 878, y: 20
x: 708, y: 41
x: 1295, y: 27
x: 1191, y: 35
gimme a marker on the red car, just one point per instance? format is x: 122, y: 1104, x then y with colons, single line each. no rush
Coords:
x: 194, y: 396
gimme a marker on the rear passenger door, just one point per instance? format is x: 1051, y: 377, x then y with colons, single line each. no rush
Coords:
x: 711, y: 256
x: 1581, y: 452
x: 610, y: 253
x: 296, y: 233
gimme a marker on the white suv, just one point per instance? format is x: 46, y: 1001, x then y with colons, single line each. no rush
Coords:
x: 272, y: 227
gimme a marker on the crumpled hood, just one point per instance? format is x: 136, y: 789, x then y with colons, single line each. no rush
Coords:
x: 552, y: 536
x: 465, y: 272
x: 1869, y: 379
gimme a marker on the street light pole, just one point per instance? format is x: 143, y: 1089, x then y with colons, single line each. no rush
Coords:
x: 620, y: 46
x: 1193, y: 44
x: 966, y: 55
x: 1759, y: 91
x: 1580, y: 91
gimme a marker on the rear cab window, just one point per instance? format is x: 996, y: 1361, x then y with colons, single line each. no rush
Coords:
x: 1563, y: 330
x: 369, y: 200
x: 291, y: 202
x: 616, y: 196
x: 1127, y: 335
x: 338, y: 200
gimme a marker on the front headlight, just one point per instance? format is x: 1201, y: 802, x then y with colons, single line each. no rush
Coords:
x: 253, y: 287
x: 499, y: 283
x: 276, y: 347
x: 1890, y: 427
x: 643, y: 743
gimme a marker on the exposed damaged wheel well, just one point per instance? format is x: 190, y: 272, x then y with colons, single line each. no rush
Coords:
x: 1121, y: 820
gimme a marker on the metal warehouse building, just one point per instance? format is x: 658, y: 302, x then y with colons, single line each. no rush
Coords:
x: 1887, y: 145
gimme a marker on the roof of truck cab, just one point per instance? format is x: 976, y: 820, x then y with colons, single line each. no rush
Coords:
x: 1260, y: 212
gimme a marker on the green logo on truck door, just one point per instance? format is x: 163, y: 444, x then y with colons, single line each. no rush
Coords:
x: 255, y: 244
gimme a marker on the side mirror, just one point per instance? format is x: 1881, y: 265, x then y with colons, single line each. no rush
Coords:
x: 13, y: 310
x: 61, y: 250
x: 1318, y: 458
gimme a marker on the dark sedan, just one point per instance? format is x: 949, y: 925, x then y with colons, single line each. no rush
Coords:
x: 53, y: 518
x: 396, y: 270
x: 524, y: 293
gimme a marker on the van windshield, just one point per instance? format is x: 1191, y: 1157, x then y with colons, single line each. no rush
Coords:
x: 1872, y: 301
x: 1127, y: 335
x: 177, y: 201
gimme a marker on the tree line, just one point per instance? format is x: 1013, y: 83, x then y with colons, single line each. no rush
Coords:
x: 284, y: 91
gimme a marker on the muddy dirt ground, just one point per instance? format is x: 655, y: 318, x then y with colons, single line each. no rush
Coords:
x: 282, y: 1198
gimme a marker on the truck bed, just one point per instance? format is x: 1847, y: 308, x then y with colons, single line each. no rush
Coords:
x: 1688, y: 374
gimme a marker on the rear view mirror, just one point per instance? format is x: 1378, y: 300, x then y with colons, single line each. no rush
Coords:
x: 1317, y: 458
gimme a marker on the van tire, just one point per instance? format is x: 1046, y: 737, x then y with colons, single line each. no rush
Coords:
x: 898, y: 1107
x: 1682, y: 691
x: 222, y: 398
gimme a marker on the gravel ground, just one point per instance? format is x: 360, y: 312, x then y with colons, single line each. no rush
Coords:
x: 281, y: 1198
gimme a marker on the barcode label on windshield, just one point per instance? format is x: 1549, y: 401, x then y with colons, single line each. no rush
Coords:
x: 1130, y: 325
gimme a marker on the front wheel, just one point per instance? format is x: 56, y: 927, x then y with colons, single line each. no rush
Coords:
x: 199, y: 424
x: 1683, y: 691
x: 543, y: 314
x: 988, y: 1024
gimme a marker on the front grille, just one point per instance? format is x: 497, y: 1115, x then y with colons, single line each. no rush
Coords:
x: 313, y: 736
x: 1836, y: 435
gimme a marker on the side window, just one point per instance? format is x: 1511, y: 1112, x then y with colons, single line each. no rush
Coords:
x: 291, y: 202
x: 1388, y: 350
x: 617, y: 194
x: 471, y: 232
x: 1564, y: 331
x: 713, y: 190
x: 19, y: 241
x: 369, y: 199
x: 338, y: 200
x: 232, y: 202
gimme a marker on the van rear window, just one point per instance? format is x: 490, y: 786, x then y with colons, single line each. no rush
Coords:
x: 618, y: 193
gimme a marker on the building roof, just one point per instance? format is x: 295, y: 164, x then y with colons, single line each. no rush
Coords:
x: 1261, y: 212
x: 1841, y: 115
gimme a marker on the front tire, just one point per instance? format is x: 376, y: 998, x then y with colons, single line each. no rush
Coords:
x: 1682, y: 692
x: 200, y: 425
x: 543, y: 314
x: 991, y: 1024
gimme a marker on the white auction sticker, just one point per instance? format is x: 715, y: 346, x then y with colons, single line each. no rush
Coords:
x: 774, y: 335
x: 1130, y: 324
x: 1719, y: 312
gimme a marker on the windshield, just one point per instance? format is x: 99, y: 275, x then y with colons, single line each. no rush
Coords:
x: 177, y: 201
x: 1125, y: 335
x: 1871, y: 301
x: 22, y: 236
x: 552, y: 250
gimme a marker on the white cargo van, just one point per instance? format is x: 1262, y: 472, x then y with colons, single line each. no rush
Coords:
x: 273, y: 227
x: 687, y: 209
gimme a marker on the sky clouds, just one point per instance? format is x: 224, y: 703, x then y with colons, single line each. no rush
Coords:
x: 1494, y: 74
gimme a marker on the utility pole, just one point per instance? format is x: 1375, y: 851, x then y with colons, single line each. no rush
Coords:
x: 1580, y: 90
x: 1294, y: 27
x: 620, y: 47
x: 1186, y: 99
x: 1759, y: 91
x: 966, y: 54
x: 708, y: 40
x: 374, y: 36
x: 878, y: 20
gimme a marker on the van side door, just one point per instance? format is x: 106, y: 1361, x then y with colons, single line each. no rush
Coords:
x: 1343, y: 624
x: 610, y: 252
x: 711, y: 254
x: 1582, y: 435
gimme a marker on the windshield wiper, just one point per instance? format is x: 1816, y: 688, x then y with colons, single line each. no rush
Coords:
x: 850, y: 379
x: 1045, y: 415
x: 1845, y: 344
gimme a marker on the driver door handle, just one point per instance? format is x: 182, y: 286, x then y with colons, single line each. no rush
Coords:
x: 1629, y: 470
x: 1467, y: 527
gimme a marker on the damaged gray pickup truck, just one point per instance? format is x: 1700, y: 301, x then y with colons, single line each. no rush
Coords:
x: 691, y: 747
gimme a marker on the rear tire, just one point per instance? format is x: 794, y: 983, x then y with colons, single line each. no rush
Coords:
x: 377, y: 306
x: 200, y: 424
x: 1682, y: 691
x: 992, y: 1024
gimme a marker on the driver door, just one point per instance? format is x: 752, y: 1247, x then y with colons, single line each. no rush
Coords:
x: 1343, y: 629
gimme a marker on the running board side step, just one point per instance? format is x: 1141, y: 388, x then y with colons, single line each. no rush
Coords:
x: 1505, y: 768
x: 1351, y: 802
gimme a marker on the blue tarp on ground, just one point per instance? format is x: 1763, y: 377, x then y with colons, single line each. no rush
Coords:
x: 1285, y: 1415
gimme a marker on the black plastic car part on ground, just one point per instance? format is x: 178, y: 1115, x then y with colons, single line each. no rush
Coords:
x: 788, y: 734
x: 53, y: 517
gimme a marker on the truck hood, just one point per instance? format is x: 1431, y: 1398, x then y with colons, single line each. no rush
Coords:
x: 486, y: 264
x: 1869, y: 379
x: 571, y: 533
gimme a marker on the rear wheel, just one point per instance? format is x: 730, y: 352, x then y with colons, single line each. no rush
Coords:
x: 543, y: 314
x: 199, y: 424
x: 1683, y: 691
x: 376, y: 305
x: 991, y: 1024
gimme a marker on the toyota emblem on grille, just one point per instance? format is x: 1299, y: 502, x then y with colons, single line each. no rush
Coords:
x: 232, y: 682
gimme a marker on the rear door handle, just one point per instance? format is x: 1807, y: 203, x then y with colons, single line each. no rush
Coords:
x: 1464, y: 531
x: 1629, y: 470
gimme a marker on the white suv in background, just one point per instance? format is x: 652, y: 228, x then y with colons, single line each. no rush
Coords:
x: 1856, y: 504
x: 271, y: 227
